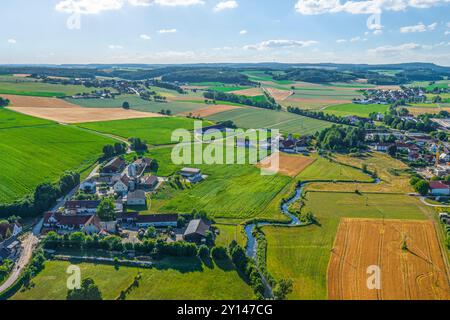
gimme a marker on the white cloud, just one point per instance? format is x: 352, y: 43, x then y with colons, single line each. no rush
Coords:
x: 418, y: 28
x: 243, y: 32
x: 389, y: 50
x: 447, y: 32
x: 115, y: 46
x: 145, y: 37
x: 12, y: 41
x: 313, y: 7
x: 341, y: 41
x: 279, y: 44
x: 164, y: 31
x: 226, y: 5
x: 97, y: 6
x: 378, y: 32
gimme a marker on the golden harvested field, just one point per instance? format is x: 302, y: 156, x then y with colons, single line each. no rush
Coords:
x: 279, y: 95
x: 37, y: 102
x: 417, y: 273
x: 209, y: 111
x: 252, y: 92
x: 290, y: 165
x: 80, y: 115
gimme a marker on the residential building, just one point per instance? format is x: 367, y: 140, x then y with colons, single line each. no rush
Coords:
x: 440, y: 188
x: 81, y: 207
x: 148, y: 182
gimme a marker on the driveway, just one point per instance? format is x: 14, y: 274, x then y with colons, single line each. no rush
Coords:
x: 29, y: 242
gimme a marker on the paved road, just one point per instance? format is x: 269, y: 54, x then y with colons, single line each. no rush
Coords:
x: 424, y: 201
x: 28, y: 244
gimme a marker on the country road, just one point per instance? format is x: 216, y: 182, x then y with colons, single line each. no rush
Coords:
x: 28, y: 244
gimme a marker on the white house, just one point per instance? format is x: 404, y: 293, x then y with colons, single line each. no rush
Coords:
x: 136, y: 198
x: 122, y: 185
x: 193, y: 175
x: 157, y: 220
x: 440, y: 188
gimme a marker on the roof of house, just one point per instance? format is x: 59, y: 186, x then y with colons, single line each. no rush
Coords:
x: 149, y: 180
x: 141, y: 161
x: 67, y: 220
x: 4, y: 228
x: 439, y: 185
x: 115, y: 164
x: 127, y: 215
x: 125, y: 179
x: 190, y: 170
x: 155, y: 218
x: 138, y: 194
x: 82, y: 204
x: 198, y: 226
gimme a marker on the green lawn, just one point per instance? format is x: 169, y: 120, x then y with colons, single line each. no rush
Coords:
x: 18, y: 86
x: 351, y: 109
x: 229, y: 233
x: 229, y: 191
x: 302, y: 253
x: 139, y: 104
x: 227, y: 88
x: 255, y: 118
x: 326, y: 170
x: 170, y: 279
x: 155, y: 131
x: 35, y: 151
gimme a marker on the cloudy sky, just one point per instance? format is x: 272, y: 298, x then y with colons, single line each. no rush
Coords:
x: 189, y: 31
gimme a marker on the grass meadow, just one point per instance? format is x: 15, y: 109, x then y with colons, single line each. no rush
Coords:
x: 169, y: 279
x: 156, y: 131
x: 35, y: 151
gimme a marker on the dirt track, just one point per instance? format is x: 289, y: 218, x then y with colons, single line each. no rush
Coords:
x: 417, y: 273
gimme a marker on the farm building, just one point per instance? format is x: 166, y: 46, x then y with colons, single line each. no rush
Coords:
x: 9, y: 248
x: 116, y: 165
x: 440, y: 188
x: 81, y: 207
x: 196, y: 231
x: 148, y: 182
x: 136, y: 198
x: 192, y: 174
x: 157, y: 220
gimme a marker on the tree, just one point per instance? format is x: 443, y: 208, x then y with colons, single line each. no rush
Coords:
x: 126, y: 105
x: 151, y: 232
x: 282, y: 289
x: 4, y: 102
x: 422, y: 187
x: 88, y: 291
x: 392, y: 150
x: 219, y: 253
x: 203, y: 252
x: 106, y: 210
x: 120, y: 148
x: 45, y: 196
x: 108, y: 151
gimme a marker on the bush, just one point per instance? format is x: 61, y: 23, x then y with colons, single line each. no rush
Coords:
x: 203, y: 252
x: 219, y: 253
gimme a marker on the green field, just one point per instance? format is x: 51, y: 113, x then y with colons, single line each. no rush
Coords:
x: 155, y: 131
x: 427, y: 84
x: 139, y: 104
x: 35, y: 151
x: 169, y: 279
x: 261, y: 76
x: 351, y: 109
x: 227, y: 88
x: 229, y: 191
x: 255, y: 118
x: 302, y: 253
x: 19, y: 86
x: 325, y: 170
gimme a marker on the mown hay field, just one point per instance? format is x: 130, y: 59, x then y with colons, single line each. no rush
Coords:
x: 417, y: 272
x: 302, y: 253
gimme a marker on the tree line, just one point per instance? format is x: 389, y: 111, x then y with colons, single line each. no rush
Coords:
x: 229, y: 97
x: 43, y: 198
x: 340, y: 138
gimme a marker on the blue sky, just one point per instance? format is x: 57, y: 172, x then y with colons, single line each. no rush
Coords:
x: 190, y: 31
